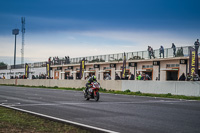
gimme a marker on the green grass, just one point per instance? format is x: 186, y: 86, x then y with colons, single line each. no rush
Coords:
x: 16, y: 121
x: 126, y: 92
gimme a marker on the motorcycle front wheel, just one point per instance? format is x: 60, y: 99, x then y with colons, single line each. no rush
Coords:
x: 97, y: 96
x: 86, y: 97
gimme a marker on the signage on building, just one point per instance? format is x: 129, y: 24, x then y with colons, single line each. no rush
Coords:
x: 112, y: 65
x: 82, y: 68
x: 123, y: 74
x: 132, y: 64
x: 193, y: 61
x: 48, y: 69
x: 96, y: 66
x: 183, y: 61
x: 70, y: 67
x: 156, y: 63
x: 26, y: 70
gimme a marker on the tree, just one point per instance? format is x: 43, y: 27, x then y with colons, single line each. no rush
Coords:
x: 3, y: 64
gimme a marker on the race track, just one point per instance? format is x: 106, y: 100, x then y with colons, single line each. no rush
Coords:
x: 117, y: 113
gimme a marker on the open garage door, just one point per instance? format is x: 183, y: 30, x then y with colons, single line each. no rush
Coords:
x: 172, y: 75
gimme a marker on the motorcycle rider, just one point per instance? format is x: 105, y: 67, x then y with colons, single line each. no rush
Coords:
x: 90, y: 80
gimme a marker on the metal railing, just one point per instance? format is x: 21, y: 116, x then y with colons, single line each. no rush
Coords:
x: 140, y: 55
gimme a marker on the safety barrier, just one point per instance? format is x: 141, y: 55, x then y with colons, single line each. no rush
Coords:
x: 187, y: 88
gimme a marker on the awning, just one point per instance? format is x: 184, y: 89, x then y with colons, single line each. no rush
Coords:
x: 74, y: 72
x: 103, y: 71
x: 169, y: 69
x: 118, y: 70
x: 89, y: 71
x: 144, y: 70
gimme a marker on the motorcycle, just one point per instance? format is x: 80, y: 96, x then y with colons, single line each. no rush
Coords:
x: 92, y: 92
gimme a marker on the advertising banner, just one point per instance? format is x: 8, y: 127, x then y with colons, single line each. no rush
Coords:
x: 124, y: 67
x: 26, y: 70
x: 82, y: 68
x: 48, y: 69
x: 193, y: 61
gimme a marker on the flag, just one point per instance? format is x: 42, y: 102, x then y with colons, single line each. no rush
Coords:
x: 124, y: 67
x: 82, y: 68
x: 48, y: 69
x: 26, y: 70
x: 193, y: 61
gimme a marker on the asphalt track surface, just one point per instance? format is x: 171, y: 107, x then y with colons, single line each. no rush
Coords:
x: 117, y: 113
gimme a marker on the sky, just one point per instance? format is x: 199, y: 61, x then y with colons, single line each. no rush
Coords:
x: 78, y: 28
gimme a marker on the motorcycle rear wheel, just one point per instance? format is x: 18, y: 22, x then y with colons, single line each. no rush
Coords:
x: 86, y: 96
x: 97, y: 96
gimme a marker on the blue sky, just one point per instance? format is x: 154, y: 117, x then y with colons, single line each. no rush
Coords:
x: 93, y: 27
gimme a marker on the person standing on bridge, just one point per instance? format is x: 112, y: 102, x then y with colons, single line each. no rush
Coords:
x: 196, y: 44
x: 161, y: 51
x: 174, y: 49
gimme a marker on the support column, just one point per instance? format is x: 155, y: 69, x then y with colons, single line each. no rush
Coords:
x: 155, y: 73
x: 182, y: 69
x: 97, y: 73
x: 74, y: 76
x: 83, y: 77
x: 113, y: 73
x: 132, y: 70
x: 101, y: 76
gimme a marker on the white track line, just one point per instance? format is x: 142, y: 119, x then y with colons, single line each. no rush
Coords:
x: 58, y: 119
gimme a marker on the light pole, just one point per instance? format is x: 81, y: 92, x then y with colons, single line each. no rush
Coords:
x: 15, y: 32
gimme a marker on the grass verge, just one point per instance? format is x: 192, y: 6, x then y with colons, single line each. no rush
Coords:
x: 126, y: 92
x: 12, y: 121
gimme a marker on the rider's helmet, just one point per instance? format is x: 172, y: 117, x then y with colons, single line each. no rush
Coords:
x: 94, y: 78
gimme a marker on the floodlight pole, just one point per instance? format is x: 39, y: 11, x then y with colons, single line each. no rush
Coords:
x: 15, y: 52
x: 15, y: 32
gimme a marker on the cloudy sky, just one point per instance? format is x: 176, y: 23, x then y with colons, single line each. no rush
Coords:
x: 93, y: 27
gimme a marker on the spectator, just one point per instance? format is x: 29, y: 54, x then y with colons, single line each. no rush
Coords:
x: 86, y: 78
x: 161, y: 51
x: 195, y: 77
x: 117, y: 77
x: 142, y: 76
x: 157, y: 79
x: 49, y: 60
x: 138, y: 76
x: 181, y: 50
x: 131, y: 76
x: 71, y: 77
x: 107, y: 77
x: 196, y: 44
x: 149, y: 51
x: 152, y: 53
x: 4, y: 77
x: 182, y: 77
x: 147, y: 77
x: 188, y: 77
x: 174, y: 49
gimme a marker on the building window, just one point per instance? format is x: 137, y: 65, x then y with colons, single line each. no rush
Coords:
x: 147, y: 66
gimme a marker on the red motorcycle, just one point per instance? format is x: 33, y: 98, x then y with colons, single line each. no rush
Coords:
x: 92, y: 92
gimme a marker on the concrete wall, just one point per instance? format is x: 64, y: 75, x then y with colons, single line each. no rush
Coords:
x: 157, y: 87
x: 190, y: 88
